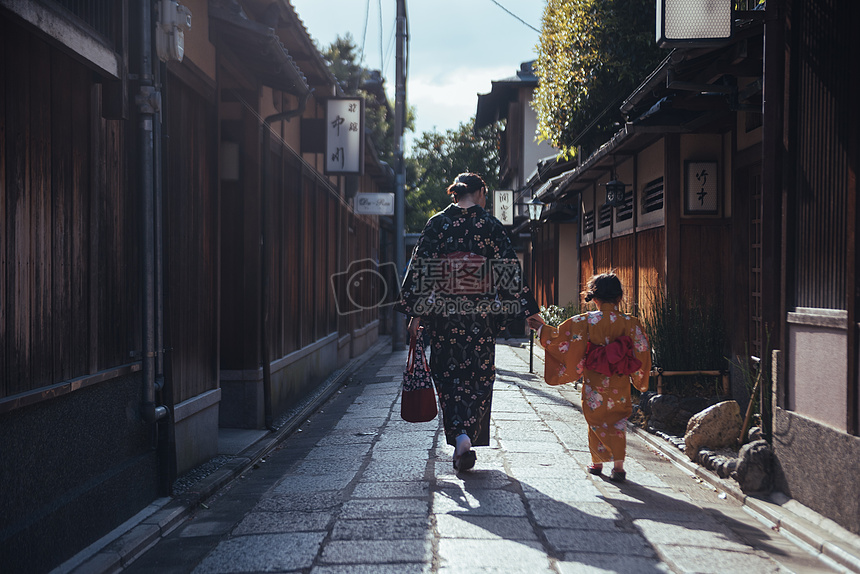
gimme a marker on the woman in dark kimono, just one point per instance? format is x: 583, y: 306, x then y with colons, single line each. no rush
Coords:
x: 463, y: 284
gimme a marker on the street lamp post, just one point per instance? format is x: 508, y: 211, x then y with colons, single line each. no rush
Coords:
x: 535, y: 209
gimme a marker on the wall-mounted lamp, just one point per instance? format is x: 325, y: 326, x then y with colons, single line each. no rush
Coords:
x: 535, y: 209
x: 693, y: 22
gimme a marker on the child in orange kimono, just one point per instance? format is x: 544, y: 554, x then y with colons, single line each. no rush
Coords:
x: 609, y: 350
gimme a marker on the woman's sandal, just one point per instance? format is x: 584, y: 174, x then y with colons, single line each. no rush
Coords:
x: 466, y: 461
x: 618, y: 476
x: 595, y: 469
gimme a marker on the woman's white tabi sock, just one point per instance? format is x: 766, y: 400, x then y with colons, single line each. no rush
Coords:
x: 464, y: 445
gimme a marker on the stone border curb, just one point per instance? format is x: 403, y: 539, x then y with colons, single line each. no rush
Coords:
x: 130, y: 540
x: 820, y: 536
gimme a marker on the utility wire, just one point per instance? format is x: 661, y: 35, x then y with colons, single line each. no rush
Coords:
x: 389, y: 47
x: 515, y: 16
x: 364, y: 34
x: 381, y: 46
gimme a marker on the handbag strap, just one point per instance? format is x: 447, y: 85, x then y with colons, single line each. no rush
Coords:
x: 410, y: 359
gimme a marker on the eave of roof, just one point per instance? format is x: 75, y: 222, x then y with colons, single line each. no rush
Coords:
x: 493, y: 106
x: 258, y: 48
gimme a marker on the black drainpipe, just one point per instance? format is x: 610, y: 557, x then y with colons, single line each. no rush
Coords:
x: 265, y: 242
x: 149, y: 101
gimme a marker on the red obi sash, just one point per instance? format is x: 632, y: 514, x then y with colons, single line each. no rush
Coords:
x: 616, y: 358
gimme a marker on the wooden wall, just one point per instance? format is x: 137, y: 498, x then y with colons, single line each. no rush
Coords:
x: 546, y: 266
x: 651, y: 257
x: 705, y: 258
x: 190, y: 241
x: 68, y: 259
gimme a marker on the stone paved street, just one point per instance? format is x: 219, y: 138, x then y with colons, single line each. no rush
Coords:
x: 358, y: 490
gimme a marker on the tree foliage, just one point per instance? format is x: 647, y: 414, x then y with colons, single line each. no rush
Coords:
x: 344, y: 62
x: 435, y: 161
x: 592, y: 54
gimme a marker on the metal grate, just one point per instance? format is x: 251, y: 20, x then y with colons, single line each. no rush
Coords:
x: 100, y: 15
x: 652, y: 196
x: 625, y: 212
x: 588, y: 222
x: 604, y: 216
x: 821, y: 93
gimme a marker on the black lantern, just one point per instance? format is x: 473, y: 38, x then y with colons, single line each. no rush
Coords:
x: 614, y: 193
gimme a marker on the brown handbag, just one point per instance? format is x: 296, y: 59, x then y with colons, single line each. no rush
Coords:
x: 417, y: 399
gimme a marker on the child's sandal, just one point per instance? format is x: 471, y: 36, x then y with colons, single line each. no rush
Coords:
x: 618, y: 476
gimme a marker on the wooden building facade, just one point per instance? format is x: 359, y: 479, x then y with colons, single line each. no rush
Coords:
x: 769, y: 116
x: 167, y: 247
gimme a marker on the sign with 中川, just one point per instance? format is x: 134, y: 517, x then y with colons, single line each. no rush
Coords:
x: 374, y: 203
x: 503, y: 206
x: 344, y: 136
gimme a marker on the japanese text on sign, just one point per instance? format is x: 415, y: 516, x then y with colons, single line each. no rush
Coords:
x: 503, y: 206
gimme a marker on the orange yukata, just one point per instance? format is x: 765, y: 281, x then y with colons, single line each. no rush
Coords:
x: 606, y: 399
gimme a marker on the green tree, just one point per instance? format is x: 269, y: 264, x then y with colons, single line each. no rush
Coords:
x: 345, y: 64
x: 436, y: 159
x: 592, y: 54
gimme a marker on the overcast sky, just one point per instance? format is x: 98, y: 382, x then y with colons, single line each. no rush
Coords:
x: 456, y: 47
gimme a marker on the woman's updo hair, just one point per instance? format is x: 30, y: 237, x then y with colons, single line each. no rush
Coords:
x: 465, y: 184
x: 605, y: 287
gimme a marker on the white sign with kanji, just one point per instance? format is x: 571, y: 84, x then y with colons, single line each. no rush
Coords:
x: 503, y: 206
x: 344, y: 142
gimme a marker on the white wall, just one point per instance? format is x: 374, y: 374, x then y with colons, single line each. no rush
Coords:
x: 568, y: 263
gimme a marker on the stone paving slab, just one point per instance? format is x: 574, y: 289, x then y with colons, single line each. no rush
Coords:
x: 298, y: 484
x: 263, y: 553
x: 273, y: 522
x: 598, y: 516
x: 470, y: 555
x: 585, y: 563
x: 381, y: 508
x: 360, y: 490
x: 419, y: 568
x: 385, y: 551
x: 392, y: 489
x: 478, y: 502
x: 470, y: 526
x: 397, y: 527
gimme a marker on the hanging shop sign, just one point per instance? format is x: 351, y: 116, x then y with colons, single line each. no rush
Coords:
x: 344, y: 142
x: 503, y: 206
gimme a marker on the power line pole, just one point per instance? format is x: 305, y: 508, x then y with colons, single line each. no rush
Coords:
x: 397, y: 339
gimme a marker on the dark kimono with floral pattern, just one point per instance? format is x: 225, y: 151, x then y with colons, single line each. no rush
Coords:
x: 463, y: 309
